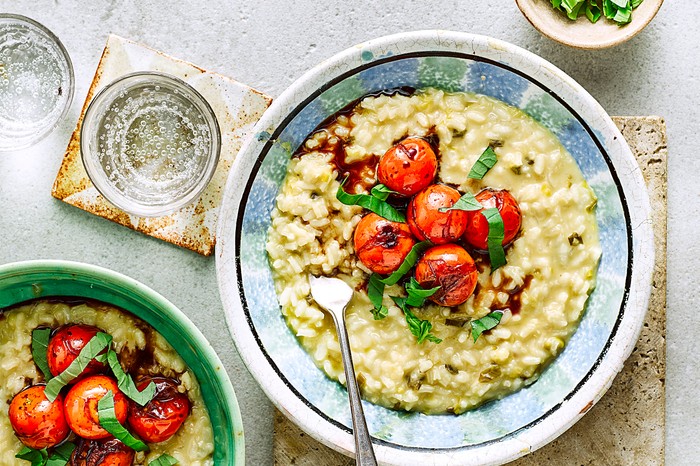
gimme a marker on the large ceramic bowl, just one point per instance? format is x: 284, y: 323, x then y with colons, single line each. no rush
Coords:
x: 498, y: 431
x: 23, y: 281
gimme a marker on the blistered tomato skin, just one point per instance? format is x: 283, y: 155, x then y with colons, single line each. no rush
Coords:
x: 478, y: 227
x: 37, y: 422
x: 427, y: 222
x: 382, y: 245
x: 408, y: 167
x: 161, y: 417
x: 65, y: 345
x: 450, y: 267
x: 81, y: 405
x: 107, y: 452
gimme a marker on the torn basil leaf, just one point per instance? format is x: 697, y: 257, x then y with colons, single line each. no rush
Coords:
x: 40, y: 345
x: 125, y: 382
x: 375, y: 292
x: 410, y: 260
x: 163, y: 460
x: 109, y: 422
x: 381, y: 192
x: 61, y: 455
x: 419, y: 328
x: 375, y: 204
x: 36, y: 457
x: 497, y: 254
x: 484, y: 163
x: 417, y: 294
x: 487, y: 322
x: 466, y: 202
x: 93, y: 347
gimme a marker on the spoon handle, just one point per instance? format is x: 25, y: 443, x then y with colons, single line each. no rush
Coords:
x: 364, y: 453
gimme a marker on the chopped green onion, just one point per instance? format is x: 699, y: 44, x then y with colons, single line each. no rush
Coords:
x: 417, y: 294
x: 109, y: 422
x: 487, y: 322
x: 419, y: 328
x: 93, y: 347
x: 381, y: 192
x: 369, y: 202
x: 619, y: 11
x: 125, y: 382
x: 466, y: 202
x: 375, y: 292
x: 40, y: 345
x: 495, y: 238
x: 163, y: 460
x: 485, y: 162
x: 410, y: 260
x: 592, y: 12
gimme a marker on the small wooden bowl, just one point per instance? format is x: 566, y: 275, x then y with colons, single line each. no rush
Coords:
x: 582, y: 33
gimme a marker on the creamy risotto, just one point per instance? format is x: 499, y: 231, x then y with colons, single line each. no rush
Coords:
x: 141, y: 350
x: 542, y: 290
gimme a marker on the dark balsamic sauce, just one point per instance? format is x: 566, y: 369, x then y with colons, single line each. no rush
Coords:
x: 357, y: 173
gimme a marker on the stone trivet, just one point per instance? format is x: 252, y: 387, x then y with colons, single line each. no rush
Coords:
x: 626, y: 427
x: 237, y: 108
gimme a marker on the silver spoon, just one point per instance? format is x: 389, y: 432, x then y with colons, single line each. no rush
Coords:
x: 333, y: 295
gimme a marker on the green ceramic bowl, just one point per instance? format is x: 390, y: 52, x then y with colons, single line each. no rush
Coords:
x: 22, y: 281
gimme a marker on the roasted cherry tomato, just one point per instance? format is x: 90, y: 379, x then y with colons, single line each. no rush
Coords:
x: 427, y: 222
x: 161, y: 417
x: 107, y: 452
x: 478, y: 227
x: 38, y: 422
x: 65, y: 345
x: 408, y: 167
x: 450, y: 267
x: 81, y: 405
x: 382, y: 245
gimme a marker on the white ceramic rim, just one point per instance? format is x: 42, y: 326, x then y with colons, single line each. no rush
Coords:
x: 88, y: 131
x: 634, y: 306
x: 39, y: 135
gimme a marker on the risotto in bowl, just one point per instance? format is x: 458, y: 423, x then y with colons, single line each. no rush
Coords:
x: 88, y: 378
x: 488, y: 215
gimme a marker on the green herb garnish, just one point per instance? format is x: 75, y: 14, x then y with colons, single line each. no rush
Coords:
x: 59, y: 457
x: 163, y: 460
x: 466, y: 202
x: 125, y: 382
x: 419, y: 328
x: 619, y: 11
x: 487, y: 322
x: 375, y: 292
x: 381, y: 192
x: 109, y: 422
x: 417, y: 294
x: 410, y: 260
x: 93, y: 347
x: 378, y: 205
x: 495, y: 238
x: 36, y: 457
x: 40, y: 345
x: 484, y: 163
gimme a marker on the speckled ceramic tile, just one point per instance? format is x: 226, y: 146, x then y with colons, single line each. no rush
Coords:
x: 237, y: 108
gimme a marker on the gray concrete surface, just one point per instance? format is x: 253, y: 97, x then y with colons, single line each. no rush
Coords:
x: 268, y: 44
